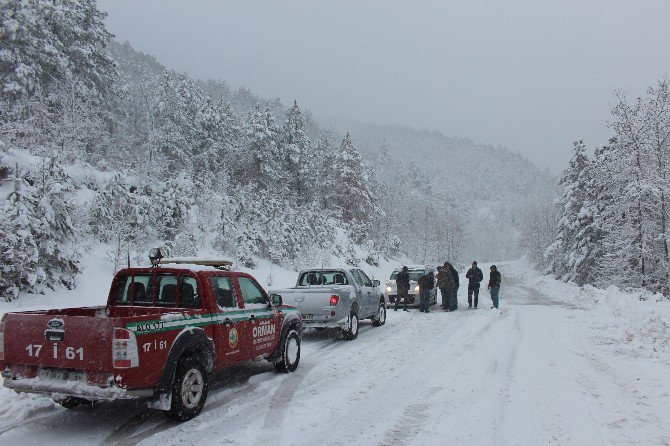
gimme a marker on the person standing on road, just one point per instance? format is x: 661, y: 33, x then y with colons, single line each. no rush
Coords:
x: 453, y: 303
x: 474, y: 276
x: 402, y: 284
x: 494, y: 285
x: 445, y: 282
x: 426, y: 283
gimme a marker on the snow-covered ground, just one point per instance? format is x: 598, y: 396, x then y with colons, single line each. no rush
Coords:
x: 558, y: 365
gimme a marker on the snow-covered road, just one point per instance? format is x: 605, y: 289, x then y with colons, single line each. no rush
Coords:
x: 534, y: 374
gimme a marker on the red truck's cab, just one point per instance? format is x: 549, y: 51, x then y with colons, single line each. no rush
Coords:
x: 162, y: 332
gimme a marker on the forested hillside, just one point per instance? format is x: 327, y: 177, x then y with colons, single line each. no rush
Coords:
x: 614, y: 210
x: 451, y: 197
x: 103, y: 145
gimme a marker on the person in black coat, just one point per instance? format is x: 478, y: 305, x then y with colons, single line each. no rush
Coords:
x: 402, y: 284
x: 445, y: 282
x: 453, y: 302
x: 494, y: 285
x: 426, y: 283
x: 474, y: 276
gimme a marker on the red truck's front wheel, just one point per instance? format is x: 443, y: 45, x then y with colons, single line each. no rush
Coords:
x: 189, y: 391
x: 290, y: 353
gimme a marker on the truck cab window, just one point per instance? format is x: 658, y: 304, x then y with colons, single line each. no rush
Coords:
x: 167, y: 289
x: 223, y: 291
x: 141, y: 289
x: 364, y: 277
x: 322, y: 277
x: 122, y: 290
x: 251, y: 293
x: 188, y: 292
x: 357, y: 277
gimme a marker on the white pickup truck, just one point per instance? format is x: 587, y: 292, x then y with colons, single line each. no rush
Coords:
x: 336, y: 298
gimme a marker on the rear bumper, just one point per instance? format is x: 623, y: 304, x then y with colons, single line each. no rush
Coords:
x: 342, y: 323
x: 79, y: 389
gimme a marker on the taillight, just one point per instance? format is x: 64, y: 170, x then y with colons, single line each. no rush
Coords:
x: 2, y: 341
x: 124, y: 349
x: 334, y: 300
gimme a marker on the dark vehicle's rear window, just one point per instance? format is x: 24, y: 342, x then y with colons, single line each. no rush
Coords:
x: 323, y: 277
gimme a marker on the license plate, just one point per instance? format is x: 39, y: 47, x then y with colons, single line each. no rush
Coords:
x: 306, y: 317
x: 61, y: 375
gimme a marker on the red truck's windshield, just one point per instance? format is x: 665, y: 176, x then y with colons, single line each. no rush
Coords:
x: 162, y: 289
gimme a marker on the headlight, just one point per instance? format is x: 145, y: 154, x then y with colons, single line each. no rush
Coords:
x: 416, y: 288
x: 388, y: 288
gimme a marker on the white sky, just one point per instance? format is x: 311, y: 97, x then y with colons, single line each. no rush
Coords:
x: 530, y: 75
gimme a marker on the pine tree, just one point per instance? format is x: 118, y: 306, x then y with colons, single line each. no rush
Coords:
x: 299, y: 159
x: 348, y: 189
x: 262, y: 165
x: 566, y: 252
x: 635, y: 168
x: 20, y: 268
x: 56, y: 236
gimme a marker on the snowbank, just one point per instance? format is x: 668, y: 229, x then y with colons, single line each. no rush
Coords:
x: 634, y: 322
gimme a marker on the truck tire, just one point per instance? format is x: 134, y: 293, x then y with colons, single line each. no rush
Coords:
x: 290, y: 353
x: 351, y: 332
x: 189, y: 391
x: 380, y: 318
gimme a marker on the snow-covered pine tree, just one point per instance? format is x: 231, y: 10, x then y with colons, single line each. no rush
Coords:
x: 56, y: 236
x: 657, y: 116
x: 640, y: 201
x: 348, y: 189
x: 64, y: 83
x: 20, y: 268
x: 121, y: 213
x: 299, y: 157
x: 262, y: 155
x: 565, y: 253
x: 175, y: 130
x: 171, y: 205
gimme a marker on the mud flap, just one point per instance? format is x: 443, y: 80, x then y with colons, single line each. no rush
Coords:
x: 163, y: 401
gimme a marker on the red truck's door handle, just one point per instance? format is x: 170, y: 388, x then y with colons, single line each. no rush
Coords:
x: 227, y: 321
x: 252, y: 317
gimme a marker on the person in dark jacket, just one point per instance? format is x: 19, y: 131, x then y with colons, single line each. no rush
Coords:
x: 445, y: 282
x: 402, y: 284
x: 474, y: 276
x: 426, y: 283
x: 453, y: 303
x: 494, y: 285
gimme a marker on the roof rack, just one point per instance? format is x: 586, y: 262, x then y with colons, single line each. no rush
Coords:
x: 216, y: 263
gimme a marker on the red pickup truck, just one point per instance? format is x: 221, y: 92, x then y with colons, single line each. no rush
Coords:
x: 163, y: 331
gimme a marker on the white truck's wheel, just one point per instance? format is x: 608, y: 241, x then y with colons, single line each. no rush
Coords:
x: 351, y: 332
x: 380, y: 319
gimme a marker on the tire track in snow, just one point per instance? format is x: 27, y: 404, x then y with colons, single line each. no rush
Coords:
x: 356, y: 414
x: 322, y: 348
x: 283, y: 395
x: 631, y: 408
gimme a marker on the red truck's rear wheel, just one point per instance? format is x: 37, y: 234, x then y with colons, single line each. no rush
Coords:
x: 189, y: 391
